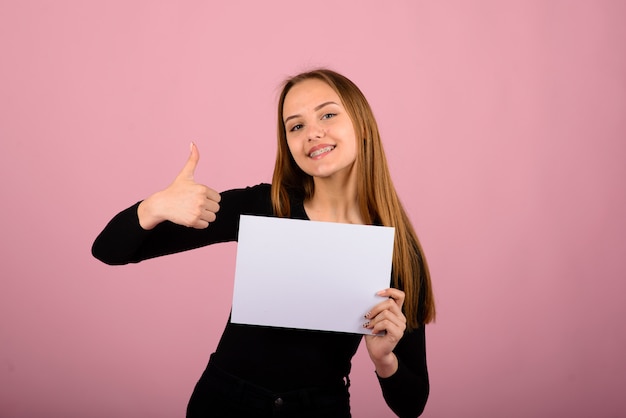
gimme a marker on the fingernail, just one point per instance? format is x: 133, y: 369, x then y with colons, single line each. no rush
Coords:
x: 367, y: 324
x: 367, y: 315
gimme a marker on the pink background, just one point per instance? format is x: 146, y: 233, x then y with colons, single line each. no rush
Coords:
x: 505, y: 128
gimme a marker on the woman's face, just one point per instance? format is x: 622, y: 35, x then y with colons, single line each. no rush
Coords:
x: 320, y: 133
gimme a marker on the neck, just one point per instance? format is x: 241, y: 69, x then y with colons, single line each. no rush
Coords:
x: 334, y: 201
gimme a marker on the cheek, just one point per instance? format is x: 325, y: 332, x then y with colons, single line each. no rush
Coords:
x: 346, y: 132
x: 350, y: 139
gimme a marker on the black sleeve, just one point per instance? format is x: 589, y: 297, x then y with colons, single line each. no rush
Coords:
x: 124, y: 241
x: 406, y: 391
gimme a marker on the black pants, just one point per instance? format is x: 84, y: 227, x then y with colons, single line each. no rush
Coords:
x: 221, y: 395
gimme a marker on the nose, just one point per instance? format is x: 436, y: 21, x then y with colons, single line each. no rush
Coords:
x: 315, y: 131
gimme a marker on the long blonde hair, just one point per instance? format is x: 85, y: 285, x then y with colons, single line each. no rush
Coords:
x: 377, y: 197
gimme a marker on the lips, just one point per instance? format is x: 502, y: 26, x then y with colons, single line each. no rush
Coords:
x: 320, y: 149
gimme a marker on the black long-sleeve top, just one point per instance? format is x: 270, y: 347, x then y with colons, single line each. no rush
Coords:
x: 279, y: 359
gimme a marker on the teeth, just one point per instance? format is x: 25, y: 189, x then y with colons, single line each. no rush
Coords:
x: 321, y: 151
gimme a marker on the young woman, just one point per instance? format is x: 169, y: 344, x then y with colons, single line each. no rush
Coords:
x: 330, y: 166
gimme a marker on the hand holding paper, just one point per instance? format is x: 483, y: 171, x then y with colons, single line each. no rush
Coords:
x: 386, y: 317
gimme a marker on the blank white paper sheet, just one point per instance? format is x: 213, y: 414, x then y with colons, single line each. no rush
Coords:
x: 309, y: 275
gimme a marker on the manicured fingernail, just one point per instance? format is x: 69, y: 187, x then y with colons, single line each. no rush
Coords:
x: 367, y: 315
x: 367, y: 324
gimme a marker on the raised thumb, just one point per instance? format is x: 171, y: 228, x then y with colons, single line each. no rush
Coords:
x: 191, y: 164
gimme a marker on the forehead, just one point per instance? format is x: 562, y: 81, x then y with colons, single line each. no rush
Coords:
x: 306, y: 95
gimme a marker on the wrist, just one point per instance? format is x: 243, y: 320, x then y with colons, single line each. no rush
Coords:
x: 386, y: 366
x: 146, y: 214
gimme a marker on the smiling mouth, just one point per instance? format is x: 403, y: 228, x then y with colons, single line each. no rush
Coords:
x: 321, y: 151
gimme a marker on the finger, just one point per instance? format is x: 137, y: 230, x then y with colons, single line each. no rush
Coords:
x: 392, y: 325
x: 391, y: 329
x: 213, y: 195
x: 192, y: 162
x: 200, y: 224
x: 392, y: 313
x: 211, y: 199
x: 211, y: 206
x: 202, y: 221
x: 202, y: 214
x: 396, y: 295
x: 386, y: 305
x: 393, y: 303
x: 396, y: 317
x: 209, y: 216
x: 387, y: 324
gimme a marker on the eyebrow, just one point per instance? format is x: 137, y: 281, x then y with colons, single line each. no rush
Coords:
x: 318, y: 107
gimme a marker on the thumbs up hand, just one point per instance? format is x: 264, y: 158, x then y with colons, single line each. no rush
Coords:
x: 183, y: 202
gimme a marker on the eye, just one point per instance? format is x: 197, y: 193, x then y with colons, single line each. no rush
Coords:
x: 329, y: 115
x: 296, y: 127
